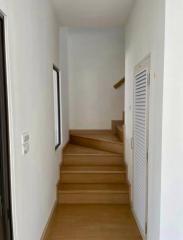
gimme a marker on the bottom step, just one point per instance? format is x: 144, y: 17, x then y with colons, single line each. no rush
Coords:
x: 93, y: 194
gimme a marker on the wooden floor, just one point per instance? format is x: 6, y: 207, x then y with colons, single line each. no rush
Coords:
x: 93, y: 192
x: 93, y: 222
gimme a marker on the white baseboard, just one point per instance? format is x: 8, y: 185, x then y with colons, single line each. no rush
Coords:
x: 144, y: 237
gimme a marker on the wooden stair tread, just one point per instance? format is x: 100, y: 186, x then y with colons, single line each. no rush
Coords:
x: 74, y: 149
x: 93, y: 169
x: 108, y: 137
x: 76, y: 155
x: 94, y: 187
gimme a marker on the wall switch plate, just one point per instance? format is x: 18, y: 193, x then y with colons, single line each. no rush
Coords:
x: 25, y: 140
x: 25, y: 148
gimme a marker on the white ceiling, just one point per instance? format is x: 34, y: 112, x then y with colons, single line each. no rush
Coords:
x: 92, y: 13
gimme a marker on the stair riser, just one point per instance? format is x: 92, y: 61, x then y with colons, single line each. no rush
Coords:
x: 88, y: 160
x: 93, y: 178
x: 93, y: 198
x: 97, y: 144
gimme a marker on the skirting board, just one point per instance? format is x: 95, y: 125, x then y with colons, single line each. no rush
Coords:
x: 46, y: 229
x: 144, y: 237
x: 63, y: 148
x: 61, y: 162
x: 130, y: 191
x: 65, y: 145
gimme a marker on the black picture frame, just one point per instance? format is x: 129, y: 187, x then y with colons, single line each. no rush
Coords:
x: 58, y: 127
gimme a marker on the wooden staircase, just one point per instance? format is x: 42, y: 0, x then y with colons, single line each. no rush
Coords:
x: 93, y: 169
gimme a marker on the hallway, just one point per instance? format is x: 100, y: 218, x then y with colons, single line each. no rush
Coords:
x: 91, y: 120
x: 93, y: 222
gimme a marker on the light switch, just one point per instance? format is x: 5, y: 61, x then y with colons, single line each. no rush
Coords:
x: 25, y: 139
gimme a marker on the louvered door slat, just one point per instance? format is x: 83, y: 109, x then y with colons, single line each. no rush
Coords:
x: 140, y: 146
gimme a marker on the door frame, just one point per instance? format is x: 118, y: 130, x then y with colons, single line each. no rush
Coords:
x: 4, y: 138
x: 5, y: 12
x: 142, y: 65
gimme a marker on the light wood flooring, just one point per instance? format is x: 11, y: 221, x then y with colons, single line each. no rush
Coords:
x: 93, y: 222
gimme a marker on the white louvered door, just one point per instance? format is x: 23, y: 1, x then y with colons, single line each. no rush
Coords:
x: 140, y: 164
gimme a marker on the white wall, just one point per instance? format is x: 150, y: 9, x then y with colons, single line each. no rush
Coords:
x: 63, y: 57
x: 95, y: 64
x: 32, y: 44
x: 145, y: 35
x: 172, y: 137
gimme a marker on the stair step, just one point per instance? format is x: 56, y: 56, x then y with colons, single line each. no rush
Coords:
x: 93, y: 174
x: 92, y: 160
x: 93, y: 193
x: 107, y: 142
x: 75, y: 149
x: 109, y: 187
x: 93, y: 169
x: 79, y: 155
